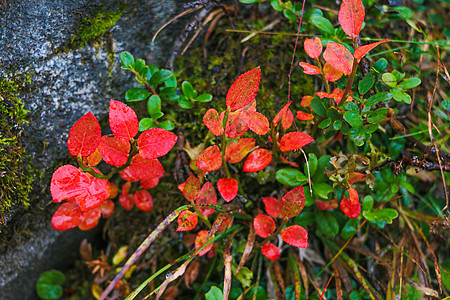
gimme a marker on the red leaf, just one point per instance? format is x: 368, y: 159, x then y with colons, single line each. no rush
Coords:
x: 294, y: 140
x: 235, y: 126
x: 84, y: 136
x: 123, y: 120
x: 107, y: 208
x: 191, y: 188
x: 350, y: 205
x: 309, y: 69
x: 243, y: 90
x: 156, y: 142
x: 91, y: 218
x: 326, y: 205
x: 68, y: 182
x: 126, y: 188
x: 257, y: 122
x: 200, y: 240
x: 306, y: 101
x: 295, y: 236
x: 322, y: 95
x: 339, y: 57
x: 302, y: 116
x: 114, y: 150
x: 207, y: 195
x: 293, y: 202
x: 273, y: 207
x: 67, y: 216
x: 150, y: 183
x: 228, y: 188
x: 264, y: 225
x: 210, y: 159
x: 313, y: 47
x: 280, y: 114
x: 214, y: 123
x: 362, y: 51
x: 236, y: 151
x: 126, y: 201
x: 126, y: 175
x: 355, y: 177
x: 287, y: 120
x: 113, y: 190
x: 270, y: 251
x: 142, y: 168
x: 257, y: 160
x: 351, y: 17
x: 97, y: 192
x: 285, y: 161
x: 143, y: 200
x: 331, y: 74
x: 187, y: 220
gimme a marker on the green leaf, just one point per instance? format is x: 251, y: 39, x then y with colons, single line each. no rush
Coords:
x: 446, y: 278
x: 169, y: 94
x: 289, y: 14
x: 409, y: 83
x: 167, y: 125
x: 322, y: 163
x: 399, y: 76
x: 154, y: 106
x: 371, y: 128
x: 145, y: 123
x: 245, y: 277
x: 333, y: 113
x: 366, y: 83
x: 325, y: 123
x: 327, y: 223
x: 401, y: 96
x: 187, y: 89
x: 353, y: 118
x: 445, y: 104
x: 127, y: 59
x: 312, y: 162
x: 378, y: 97
x: 260, y: 293
x: 322, y: 190
x: 380, y: 65
x: 250, y: 1
x: 351, y: 106
x: 306, y: 218
x: 377, y: 115
x: 368, y: 215
x: 318, y: 107
x: 389, y: 79
x: 290, y: 177
x: 324, y: 25
x: 136, y: 94
x: 405, y: 12
x: 52, y: 277
x: 357, y: 135
x: 139, y: 65
x: 185, y: 103
x: 49, y: 291
x: 349, y: 228
x: 367, y: 203
x: 337, y: 124
x: 159, y: 77
x: 214, y: 293
x: 171, y: 82
x: 385, y: 214
x: 152, y: 69
x: 276, y: 5
x: 204, y: 98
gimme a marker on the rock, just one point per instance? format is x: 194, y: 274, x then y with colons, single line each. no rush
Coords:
x: 72, y: 72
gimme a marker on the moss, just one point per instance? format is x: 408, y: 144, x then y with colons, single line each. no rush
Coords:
x: 15, y: 172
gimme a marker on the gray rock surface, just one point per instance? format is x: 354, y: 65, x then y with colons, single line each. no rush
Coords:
x: 35, y: 37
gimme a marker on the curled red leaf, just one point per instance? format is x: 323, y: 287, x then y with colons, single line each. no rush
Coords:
x: 126, y: 201
x: 67, y: 216
x: 257, y: 160
x: 114, y: 150
x: 350, y: 205
x: 280, y: 114
x: 302, y: 116
x: 313, y: 47
x: 294, y: 140
x: 207, y: 195
x: 210, y: 159
x: 339, y: 57
x: 200, y: 240
x: 143, y: 200
x: 306, y: 101
x: 156, y: 142
x: 187, y: 220
x: 293, y: 202
x: 107, y: 208
x: 296, y: 236
x: 362, y: 51
x: 123, y: 120
x: 309, y: 69
x: 244, y: 89
x: 91, y: 218
x: 263, y: 225
x: 84, y: 136
x: 270, y: 251
x: 214, y: 123
x: 355, y: 177
x: 228, y: 188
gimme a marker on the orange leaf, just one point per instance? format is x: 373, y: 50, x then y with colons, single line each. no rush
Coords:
x: 143, y: 200
x: 313, y: 47
x: 107, y: 208
x: 142, y: 168
x: 331, y: 74
x: 257, y: 122
x: 285, y: 161
x: 236, y: 151
x: 309, y: 69
x: 355, y: 177
x: 270, y: 251
x: 306, y: 101
x: 339, y: 57
x: 207, y: 195
x: 91, y: 218
x: 214, y: 123
x: 280, y: 114
x: 326, y: 205
x: 287, y: 119
x: 235, y: 126
x: 67, y: 216
x: 93, y: 159
x: 272, y: 207
x: 84, y: 136
x: 156, y: 142
x: 114, y: 150
x: 187, y: 220
x: 243, y: 90
x: 192, y: 188
x: 304, y: 116
x: 362, y: 51
x: 294, y: 140
x: 350, y: 205
x: 293, y: 202
x: 351, y: 17
x: 123, y: 120
x: 200, y: 240
x: 210, y: 159
x: 228, y: 188
x: 296, y: 236
x: 264, y: 225
x: 257, y: 160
